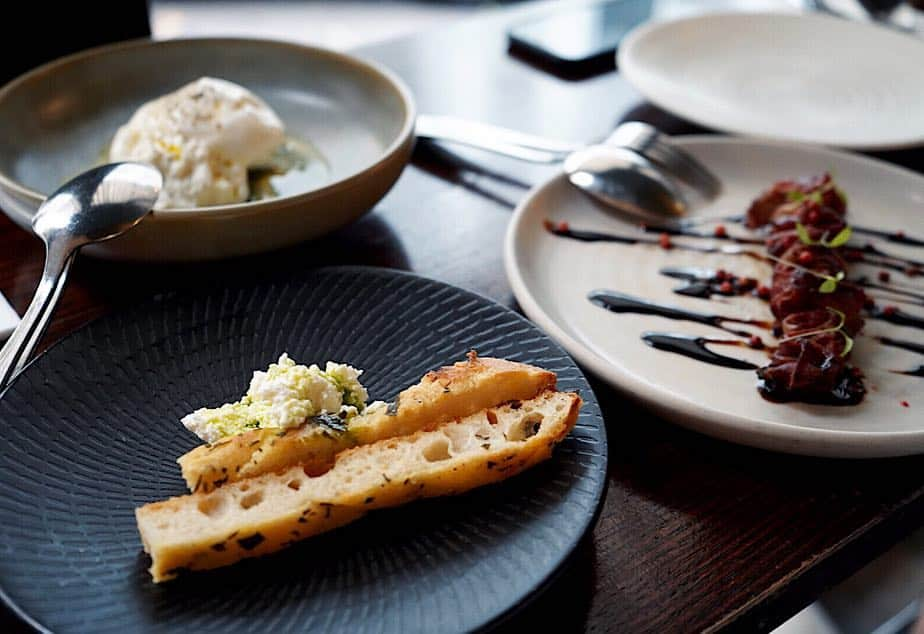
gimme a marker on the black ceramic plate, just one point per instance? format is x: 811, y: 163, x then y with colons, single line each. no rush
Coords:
x: 91, y: 431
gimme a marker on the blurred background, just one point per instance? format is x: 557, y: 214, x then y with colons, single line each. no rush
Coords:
x: 350, y: 23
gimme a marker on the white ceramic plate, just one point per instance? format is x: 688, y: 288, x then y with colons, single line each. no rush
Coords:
x: 809, y: 78
x: 551, y: 277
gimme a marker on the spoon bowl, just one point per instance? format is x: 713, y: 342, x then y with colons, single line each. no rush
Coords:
x: 98, y: 205
x: 624, y: 180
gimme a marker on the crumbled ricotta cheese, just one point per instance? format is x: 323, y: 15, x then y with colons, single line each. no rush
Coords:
x: 284, y: 395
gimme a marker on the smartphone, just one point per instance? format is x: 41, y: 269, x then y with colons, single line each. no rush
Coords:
x: 579, y: 39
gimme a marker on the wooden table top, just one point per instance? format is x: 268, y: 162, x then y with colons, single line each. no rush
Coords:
x: 694, y: 533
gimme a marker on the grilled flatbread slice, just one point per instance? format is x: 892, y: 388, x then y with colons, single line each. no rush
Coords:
x: 264, y: 514
x: 445, y: 394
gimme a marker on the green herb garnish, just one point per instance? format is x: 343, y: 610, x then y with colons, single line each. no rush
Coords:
x: 350, y: 398
x: 848, y: 340
x: 330, y: 421
x: 829, y: 285
x: 838, y: 240
x: 796, y: 196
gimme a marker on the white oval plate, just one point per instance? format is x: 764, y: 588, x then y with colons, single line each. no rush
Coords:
x: 551, y: 277
x: 808, y: 78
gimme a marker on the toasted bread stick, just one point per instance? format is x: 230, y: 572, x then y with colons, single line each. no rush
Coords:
x: 448, y: 393
x: 264, y: 514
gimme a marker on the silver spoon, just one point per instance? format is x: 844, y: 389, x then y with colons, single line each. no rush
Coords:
x: 623, y: 180
x: 98, y: 205
x: 641, y: 138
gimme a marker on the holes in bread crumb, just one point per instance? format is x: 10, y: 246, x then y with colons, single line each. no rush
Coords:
x: 437, y: 450
x: 295, y: 484
x: 526, y: 427
x: 460, y: 437
x: 211, y: 505
x: 492, y: 416
x: 252, y: 500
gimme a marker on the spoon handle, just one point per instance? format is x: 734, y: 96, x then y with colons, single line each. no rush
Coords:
x: 491, y: 138
x: 18, y: 348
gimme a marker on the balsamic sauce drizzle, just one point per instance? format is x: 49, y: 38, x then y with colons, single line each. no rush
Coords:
x: 907, y: 266
x: 897, y: 317
x: 599, y: 236
x: 737, y: 219
x: 873, y: 250
x: 595, y: 236
x: 704, y: 283
x: 906, y: 296
x: 904, y: 345
x: 911, y: 268
x: 622, y: 303
x: 679, y: 229
x: 897, y: 237
x: 701, y: 283
x: 695, y: 347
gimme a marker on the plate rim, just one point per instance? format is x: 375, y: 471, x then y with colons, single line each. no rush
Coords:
x: 636, y: 78
x: 724, y: 426
x: 542, y: 583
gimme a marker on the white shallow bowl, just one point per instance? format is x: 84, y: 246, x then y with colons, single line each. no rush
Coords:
x: 551, y: 277
x: 59, y: 118
x: 809, y: 78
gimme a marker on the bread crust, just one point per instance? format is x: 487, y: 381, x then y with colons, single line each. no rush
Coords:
x: 264, y: 514
x: 451, y: 392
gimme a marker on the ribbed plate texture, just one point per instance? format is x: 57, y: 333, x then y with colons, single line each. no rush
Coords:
x: 91, y: 431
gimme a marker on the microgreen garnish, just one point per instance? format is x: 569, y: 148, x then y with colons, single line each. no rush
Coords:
x: 817, y: 196
x: 829, y: 285
x: 841, y: 319
x: 838, y: 240
x: 796, y: 196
